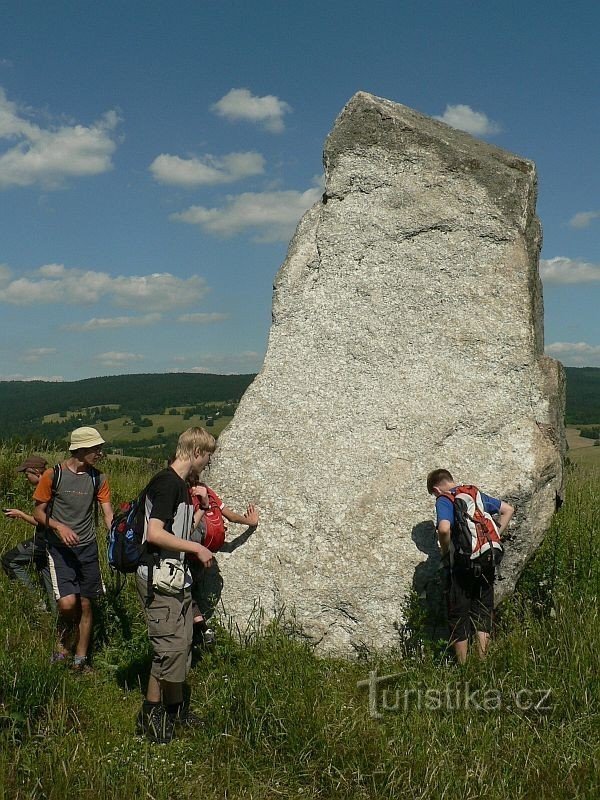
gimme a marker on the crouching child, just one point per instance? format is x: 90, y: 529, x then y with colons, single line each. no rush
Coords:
x: 30, y: 552
x: 210, y: 516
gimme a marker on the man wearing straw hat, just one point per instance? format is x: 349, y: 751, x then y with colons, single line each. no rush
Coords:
x: 65, y: 500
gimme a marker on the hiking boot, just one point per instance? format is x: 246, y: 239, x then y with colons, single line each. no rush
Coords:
x: 203, y: 635
x: 186, y: 718
x: 156, y: 725
x: 210, y: 638
x: 144, y: 719
x: 198, y: 636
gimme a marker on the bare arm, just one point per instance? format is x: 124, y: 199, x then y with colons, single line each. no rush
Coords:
x: 107, y: 510
x: 506, y: 514
x: 443, y: 532
x: 250, y: 518
x: 64, y: 533
x: 202, y: 493
x: 157, y: 535
x: 16, y: 513
x: 198, y: 514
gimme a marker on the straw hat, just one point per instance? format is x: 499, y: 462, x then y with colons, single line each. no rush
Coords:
x: 85, y: 437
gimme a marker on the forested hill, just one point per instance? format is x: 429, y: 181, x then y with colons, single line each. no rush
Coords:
x: 583, y: 395
x: 25, y: 402
x: 21, y: 402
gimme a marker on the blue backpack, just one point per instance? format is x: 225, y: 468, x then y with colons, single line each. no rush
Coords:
x: 126, y: 547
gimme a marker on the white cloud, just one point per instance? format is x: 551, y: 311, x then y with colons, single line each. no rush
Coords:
x: 105, y: 323
x: 568, y: 270
x: 583, y: 219
x: 203, y: 317
x: 20, y: 377
x: 55, y: 283
x: 575, y: 354
x: 116, y: 359
x: 47, y: 156
x: 241, y: 104
x: 37, y: 353
x: 466, y: 119
x: 273, y: 216
x: 208, y: 171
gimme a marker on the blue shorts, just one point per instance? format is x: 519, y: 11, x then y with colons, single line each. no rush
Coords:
x: 75, y: 570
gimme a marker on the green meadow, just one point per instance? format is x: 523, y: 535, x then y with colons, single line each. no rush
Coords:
x: 122, y: 428
x: 582, y: 451
x: 282, y: 723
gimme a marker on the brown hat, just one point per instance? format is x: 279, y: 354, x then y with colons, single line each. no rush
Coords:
x: 33, y: 462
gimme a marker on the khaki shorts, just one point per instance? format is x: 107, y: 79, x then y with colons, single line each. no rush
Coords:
x: 170, y: 630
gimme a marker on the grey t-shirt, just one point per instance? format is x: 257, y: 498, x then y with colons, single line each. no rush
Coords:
x: 73, y: 504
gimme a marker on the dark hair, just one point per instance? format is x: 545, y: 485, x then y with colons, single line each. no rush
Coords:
x: 436, y: 477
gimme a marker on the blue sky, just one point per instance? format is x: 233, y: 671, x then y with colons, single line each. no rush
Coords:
x: 155, y: 158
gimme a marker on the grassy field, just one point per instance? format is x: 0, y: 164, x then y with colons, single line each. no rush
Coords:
x: 121, y: 428
x: 280, y: 723
x: 116, y: 430
x: 582, y: 451
x: 71, y: 414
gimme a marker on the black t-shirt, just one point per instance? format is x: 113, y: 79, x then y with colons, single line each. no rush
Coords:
x: 168, y: 500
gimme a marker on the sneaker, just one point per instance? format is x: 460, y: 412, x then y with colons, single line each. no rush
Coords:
x: 59, y: 658
x: 81, y: 666
x: 156, y: 725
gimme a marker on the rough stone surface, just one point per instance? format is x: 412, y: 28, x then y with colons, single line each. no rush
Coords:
x: 407, y: 335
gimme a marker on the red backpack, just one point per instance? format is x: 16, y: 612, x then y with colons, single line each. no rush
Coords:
x: 213, y: 523
x: 474, y: 533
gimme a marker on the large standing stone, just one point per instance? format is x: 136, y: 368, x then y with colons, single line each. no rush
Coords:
x: 407, y: 335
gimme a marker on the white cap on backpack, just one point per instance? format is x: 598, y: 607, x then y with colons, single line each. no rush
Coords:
x: 85, y: 437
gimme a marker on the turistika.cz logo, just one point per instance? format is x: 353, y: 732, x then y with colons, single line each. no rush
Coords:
x: 384, y: 698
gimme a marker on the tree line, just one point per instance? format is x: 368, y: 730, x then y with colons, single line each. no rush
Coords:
x: 23, y: 405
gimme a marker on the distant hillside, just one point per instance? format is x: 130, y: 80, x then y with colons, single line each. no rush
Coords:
x: 24, y: 403
x: 583, y: 395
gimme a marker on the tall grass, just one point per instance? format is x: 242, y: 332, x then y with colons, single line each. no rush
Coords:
x: 281, y: 723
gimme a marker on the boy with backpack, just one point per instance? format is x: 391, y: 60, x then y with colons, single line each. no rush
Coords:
x: 66, y: 504
x: 210, y: 513
x: 470, y: 544
x: 164, y: 585
x: 30, y: 552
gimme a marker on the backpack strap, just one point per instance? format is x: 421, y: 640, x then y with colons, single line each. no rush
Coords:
x: 56, y: 479
x: 95, y: 476
x: 152, y: 552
